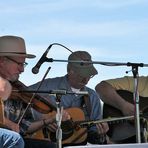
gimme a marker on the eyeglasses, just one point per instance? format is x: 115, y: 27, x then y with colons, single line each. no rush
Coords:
x: 21, y: 64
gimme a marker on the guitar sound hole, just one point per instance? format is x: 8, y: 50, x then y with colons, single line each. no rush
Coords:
x: 67, y: 130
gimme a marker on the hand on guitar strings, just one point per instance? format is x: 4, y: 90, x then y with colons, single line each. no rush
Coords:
x: 52, y: 126
x: 102, y: 128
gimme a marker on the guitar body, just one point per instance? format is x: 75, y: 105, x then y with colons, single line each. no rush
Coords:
x: 71, y: 134
x: 79, y: 134
x: 122, y: 131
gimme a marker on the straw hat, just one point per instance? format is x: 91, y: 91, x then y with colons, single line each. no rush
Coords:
x: 13, y: 46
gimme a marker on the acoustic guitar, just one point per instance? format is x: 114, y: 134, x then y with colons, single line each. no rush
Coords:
x: 120, y: 132
x: 75, y: 130
x: 70, y: 133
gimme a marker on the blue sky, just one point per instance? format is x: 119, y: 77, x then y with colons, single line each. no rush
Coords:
x: 110, y: 30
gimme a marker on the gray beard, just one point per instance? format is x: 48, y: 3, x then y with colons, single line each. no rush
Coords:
x: 14, y: 78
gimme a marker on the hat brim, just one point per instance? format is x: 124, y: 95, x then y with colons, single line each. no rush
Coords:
x: 86, y: 71
x: 17, y: 54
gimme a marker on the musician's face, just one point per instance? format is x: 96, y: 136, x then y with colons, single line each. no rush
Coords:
x: 11, y: 67
x: 76, y: 80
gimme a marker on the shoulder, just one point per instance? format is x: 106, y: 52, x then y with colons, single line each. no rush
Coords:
x: 91, y: 92
x: 47, y: 82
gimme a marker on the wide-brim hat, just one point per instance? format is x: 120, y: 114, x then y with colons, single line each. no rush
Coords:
x: 13, y: 46
x: 83, y: 69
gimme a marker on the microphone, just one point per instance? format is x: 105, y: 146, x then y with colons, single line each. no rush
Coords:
x: 43, y: 58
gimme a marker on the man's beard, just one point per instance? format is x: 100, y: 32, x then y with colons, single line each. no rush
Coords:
x: 14, y: 78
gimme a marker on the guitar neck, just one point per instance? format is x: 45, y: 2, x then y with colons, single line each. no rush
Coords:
x: 108, y: 120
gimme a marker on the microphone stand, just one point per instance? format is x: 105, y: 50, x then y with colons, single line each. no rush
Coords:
x: 135, y: 75
x: 58, y: 121
x: 136, y: 98
x: 135, y: 93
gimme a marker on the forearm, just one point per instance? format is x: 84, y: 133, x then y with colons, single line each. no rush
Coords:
x: 109, y: 95
x: 35, y: 126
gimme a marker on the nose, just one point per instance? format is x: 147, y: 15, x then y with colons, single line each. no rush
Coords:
x: 21, y: 68
x: 85, y: 80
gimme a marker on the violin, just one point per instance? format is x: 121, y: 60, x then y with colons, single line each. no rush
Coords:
x: 37, y: 102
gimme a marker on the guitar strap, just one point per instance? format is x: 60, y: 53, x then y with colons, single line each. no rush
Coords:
x: 87, y: 104
x: 1, y: 111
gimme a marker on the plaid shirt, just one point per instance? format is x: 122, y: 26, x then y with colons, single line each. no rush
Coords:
x: 14, y: 109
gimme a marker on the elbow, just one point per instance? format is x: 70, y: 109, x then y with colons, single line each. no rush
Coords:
x: 99, y: 87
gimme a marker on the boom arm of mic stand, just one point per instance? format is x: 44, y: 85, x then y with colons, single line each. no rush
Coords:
x: 100, y: 62
x: 88, y: 62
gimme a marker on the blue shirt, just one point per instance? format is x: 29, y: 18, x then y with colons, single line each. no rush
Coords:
x: 70, y: 100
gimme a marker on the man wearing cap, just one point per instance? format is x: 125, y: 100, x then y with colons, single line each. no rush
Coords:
x: 12, y: 63
x: 76, y: 79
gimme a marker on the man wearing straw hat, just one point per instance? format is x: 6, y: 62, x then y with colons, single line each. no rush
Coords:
x: 12, y: 63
